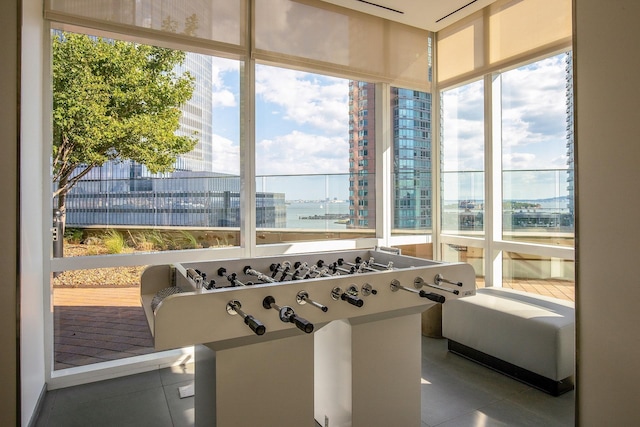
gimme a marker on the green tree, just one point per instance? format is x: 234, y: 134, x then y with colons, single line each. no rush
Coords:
x: 115, y: 100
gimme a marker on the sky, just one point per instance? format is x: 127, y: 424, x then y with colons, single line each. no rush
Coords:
x: 302, y: 129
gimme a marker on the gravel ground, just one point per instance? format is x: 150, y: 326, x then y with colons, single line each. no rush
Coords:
x: 108, y: 277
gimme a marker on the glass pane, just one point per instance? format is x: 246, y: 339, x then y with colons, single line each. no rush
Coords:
x: 463, y: 160
x: 537, y: 147
x: 468, y: 254
x: 423, y: 250
x: 315, y: 156
x: 168, y: 167
x: 411, y: 124
x: 554, y: 277
x: 98, y: 317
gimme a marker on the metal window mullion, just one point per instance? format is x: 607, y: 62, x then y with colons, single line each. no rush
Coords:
x: 493, y: 179
x: 248, y: 145
x: 436, y: 160
x: 384, y: 164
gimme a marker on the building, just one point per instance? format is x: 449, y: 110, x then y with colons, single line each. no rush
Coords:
x: 411, y: 110
x: 411, y: 116
x: 362, y: 155
x: 570, y: 135
x: 606, y: 154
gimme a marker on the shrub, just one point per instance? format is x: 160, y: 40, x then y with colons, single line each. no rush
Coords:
x: 114, y: 242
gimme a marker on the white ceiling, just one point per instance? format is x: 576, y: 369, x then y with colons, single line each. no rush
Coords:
x: 432, y: 15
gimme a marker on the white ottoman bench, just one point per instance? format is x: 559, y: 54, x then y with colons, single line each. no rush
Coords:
x: 526, y: 336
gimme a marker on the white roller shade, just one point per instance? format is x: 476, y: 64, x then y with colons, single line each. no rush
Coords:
x: 321, y: 36
x: 500, y: 34
x: 215, y: 21
x: 308, y: 34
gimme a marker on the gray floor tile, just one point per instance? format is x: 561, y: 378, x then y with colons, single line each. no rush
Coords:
x: 558, y: 409
x: 455, y: 392
x: 109, y: 388
x: 177, y: 374
x: 182, y: 410
x: 503, y: 413
x: 139, y: 409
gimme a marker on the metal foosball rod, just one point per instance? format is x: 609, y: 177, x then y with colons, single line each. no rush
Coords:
x: 260, y: 276
x: 337, y: 294
x: 372, y: 263
x: 233, y: 307
x: 418, y: 282
x: 296, y: 273
x: 355, y: 265
x: 233, y: 279
x: 336, y: 269
x: 331, y: 267
x: 315, y: 272
x: 305, y: 271
x: 303, y: 297
x: 364, y: 268
x: 288, y: 315
x: 440, y: 279
x: 367, y: 290
x: 395, y: 285
x: 280, y: 268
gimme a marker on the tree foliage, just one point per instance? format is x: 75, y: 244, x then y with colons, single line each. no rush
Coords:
x: 115, y: 100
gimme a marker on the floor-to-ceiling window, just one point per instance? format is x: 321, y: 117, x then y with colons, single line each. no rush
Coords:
x: 315, y: 152
x: 462, y: 176
x: 283, y: 134
x: 463, y: 157
x: 519, y: 219
x: 521, y: 211
x: 113, y: 209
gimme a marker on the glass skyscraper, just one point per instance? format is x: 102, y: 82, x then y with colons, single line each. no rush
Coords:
x: 411, y: 115
x: 411, y: 124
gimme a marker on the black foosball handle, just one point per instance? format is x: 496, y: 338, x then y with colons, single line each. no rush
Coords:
x: 255, y: 325
x: 433, y: 296
x: 303, y: 324
x: 351, y: 299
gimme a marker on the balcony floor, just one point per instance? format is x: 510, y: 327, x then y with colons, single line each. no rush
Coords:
x: 455, y: 392
x: 93, y: 325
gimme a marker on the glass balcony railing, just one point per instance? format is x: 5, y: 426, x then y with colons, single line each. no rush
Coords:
x: 538, y: 207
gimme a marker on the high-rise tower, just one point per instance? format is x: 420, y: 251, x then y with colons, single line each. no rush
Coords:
x: 411, y: 124
x: 362, y: 154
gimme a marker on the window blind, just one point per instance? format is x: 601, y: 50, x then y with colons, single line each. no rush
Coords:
x: 218, y: 23
x: 325, y: 37
x: 502, y: 33
x: 303, y: 34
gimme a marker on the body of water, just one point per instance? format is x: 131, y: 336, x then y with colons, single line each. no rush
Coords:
x: 296, y: 211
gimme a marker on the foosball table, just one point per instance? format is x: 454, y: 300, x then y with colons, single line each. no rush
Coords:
x: 328, y: 338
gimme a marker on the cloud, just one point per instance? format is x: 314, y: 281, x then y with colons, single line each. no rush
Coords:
x: 222, y: 94
x: 463, y: 128
x: 533, y: 132
x: 534, y: 103
x: 223, y: 98
x: 306, y: 99
x: 226, y: 156
x: 300, y: 153
x: 517, y: 160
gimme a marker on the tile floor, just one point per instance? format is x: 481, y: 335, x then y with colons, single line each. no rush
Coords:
x: 455, y: 393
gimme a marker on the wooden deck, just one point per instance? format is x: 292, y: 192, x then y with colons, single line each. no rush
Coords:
x: 99, y: 324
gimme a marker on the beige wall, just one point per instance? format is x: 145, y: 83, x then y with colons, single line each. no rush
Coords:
x: 608, y: 221
x: 9, y: 401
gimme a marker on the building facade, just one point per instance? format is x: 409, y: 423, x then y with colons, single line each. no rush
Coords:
x: 411, y: 124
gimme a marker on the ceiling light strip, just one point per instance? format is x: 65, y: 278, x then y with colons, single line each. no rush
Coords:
x: 455, y: 11
x: 385, y: 7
